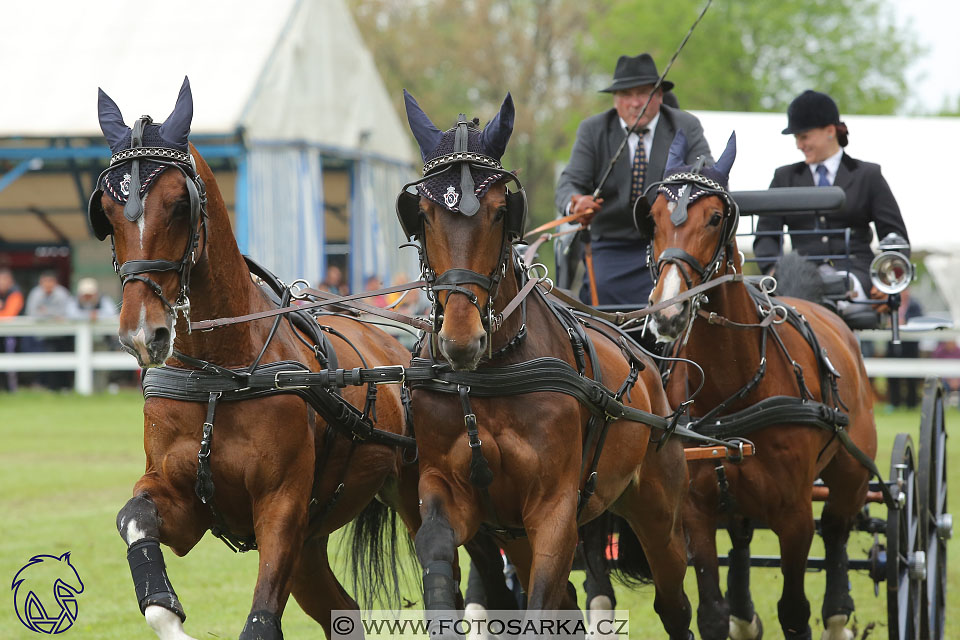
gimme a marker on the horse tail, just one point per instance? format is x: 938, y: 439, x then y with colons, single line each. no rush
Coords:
x: 629, y: 565
x: 373, y: 554
x: 797, y: 277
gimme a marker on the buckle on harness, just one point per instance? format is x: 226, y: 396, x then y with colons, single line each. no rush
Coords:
x: 399, y: 367
x: 276, y: 382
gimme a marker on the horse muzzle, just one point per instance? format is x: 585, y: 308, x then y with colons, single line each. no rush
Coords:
x: 670, y: 323
x: 463, y: 354
x: 151, y: 346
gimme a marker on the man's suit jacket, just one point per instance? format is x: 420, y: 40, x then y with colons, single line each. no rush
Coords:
x: 869, y: 199
x: 598, y: 138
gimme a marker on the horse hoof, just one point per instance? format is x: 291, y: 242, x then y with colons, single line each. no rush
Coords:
x: 743, y: 630
x: 165, y: 623
x: 836, y: 628
x: 600, y: 608
x: 476, y: 612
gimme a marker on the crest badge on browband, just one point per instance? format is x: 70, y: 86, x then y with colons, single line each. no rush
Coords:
x: 450, y: 197
x: 125, y: 184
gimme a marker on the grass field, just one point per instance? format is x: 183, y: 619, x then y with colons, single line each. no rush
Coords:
x: 68, y: 463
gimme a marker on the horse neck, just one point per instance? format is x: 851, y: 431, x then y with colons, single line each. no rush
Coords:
x: 734, y: 351
x: 220, y: 287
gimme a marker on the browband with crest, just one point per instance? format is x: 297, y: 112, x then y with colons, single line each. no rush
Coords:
x: 462, y: 156
x: 150, y: 152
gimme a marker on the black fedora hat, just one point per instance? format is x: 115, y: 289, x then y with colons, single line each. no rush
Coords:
x: 635, y: 72
x: 810, y: 110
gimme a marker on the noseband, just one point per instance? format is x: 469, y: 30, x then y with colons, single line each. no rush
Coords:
x: 133, y: 210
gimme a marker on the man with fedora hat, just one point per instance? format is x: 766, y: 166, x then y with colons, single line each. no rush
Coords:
x: 814, y: 120
x: 619, y: 250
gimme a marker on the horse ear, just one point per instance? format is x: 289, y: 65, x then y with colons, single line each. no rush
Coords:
x: 725, y: 163
x: 497, y: 132
x: 677, y: 153
x: 427, y: 134
x: 176, y: 127
x: 65, y: 557
x: 111, y: 121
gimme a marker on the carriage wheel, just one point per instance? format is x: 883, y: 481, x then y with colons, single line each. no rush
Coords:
x: 936, y: 524
x: 906, y: 563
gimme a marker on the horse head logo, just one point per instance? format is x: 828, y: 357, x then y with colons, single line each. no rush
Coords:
x: 45, y: 593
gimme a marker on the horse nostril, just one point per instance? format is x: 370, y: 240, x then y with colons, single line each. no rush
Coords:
x: 161, y: 338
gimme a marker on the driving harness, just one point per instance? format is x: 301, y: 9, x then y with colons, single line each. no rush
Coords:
x: 682, y: 188
x: 538, y: 375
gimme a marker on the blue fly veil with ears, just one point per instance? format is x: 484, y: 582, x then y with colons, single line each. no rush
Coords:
x: 459, y: 167
x: 139, y: 155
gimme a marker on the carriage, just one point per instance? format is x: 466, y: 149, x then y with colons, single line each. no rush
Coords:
x: 909, y: 547
x: 337, y: 371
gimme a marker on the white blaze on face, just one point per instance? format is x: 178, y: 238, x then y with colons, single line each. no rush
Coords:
x: 142, y: 220
x: 671, y: 289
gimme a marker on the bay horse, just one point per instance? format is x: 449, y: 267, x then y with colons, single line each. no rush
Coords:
x: 268, y: 471
x: 758, y: 351
x: 523, y: 465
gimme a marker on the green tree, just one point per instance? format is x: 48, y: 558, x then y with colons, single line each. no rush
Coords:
x: 554, y: 55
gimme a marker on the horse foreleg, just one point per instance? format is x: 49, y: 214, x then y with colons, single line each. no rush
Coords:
x: 701, y: 529
x: 794, y: 528
x: 139, y: 525
x: 847, y: 480
x: 280, y: 523
x: 315, y: 587
x: 744, y: 622
x: 552, y: 531
x: 596, y: 584
x: 654, y: 510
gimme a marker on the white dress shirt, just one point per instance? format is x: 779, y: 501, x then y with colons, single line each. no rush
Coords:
x: 647, y: 137
x: 832, y: 164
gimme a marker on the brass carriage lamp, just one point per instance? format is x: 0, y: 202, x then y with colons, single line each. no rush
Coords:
x: 891, y: 271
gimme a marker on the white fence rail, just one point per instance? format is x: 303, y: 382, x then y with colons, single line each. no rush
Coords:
x: 84, y: 360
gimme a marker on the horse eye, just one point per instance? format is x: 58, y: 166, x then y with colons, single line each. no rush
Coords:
x: 715, y: 219
x: 501, y: 213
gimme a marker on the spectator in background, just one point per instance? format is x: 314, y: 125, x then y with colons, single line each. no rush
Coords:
x: 909, y: 308
x: 373, y: 283
x: 51, y: 301
x: 333, y: 282
x: 11, y: 304
x: 11, y: 298
x: 91, y: 304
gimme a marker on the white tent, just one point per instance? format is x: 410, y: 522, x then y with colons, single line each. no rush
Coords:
x: 291, y: 80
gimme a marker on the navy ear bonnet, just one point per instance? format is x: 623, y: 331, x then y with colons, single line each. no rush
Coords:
x: 117, y: 181
x: 139, y: 155
x: 459, y: 167
x: 684, y: 184
x: 445, y: 188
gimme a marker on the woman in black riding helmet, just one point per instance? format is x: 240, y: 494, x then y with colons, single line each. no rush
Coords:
x: 814, y: 121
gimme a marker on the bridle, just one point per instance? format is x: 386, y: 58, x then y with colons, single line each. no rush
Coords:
x: 452, y: 280
x: 679, y: 188
x: 132, y: 270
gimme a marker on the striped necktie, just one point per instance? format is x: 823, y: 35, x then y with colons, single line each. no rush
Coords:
x: 638, y: 171
x: 822, y: 176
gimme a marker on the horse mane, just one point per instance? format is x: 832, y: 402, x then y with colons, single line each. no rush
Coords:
x: 797, y: 277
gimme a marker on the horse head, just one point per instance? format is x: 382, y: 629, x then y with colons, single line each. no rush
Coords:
x: 154, y: 217
x: 466, y: 221
x: 695, y: 222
